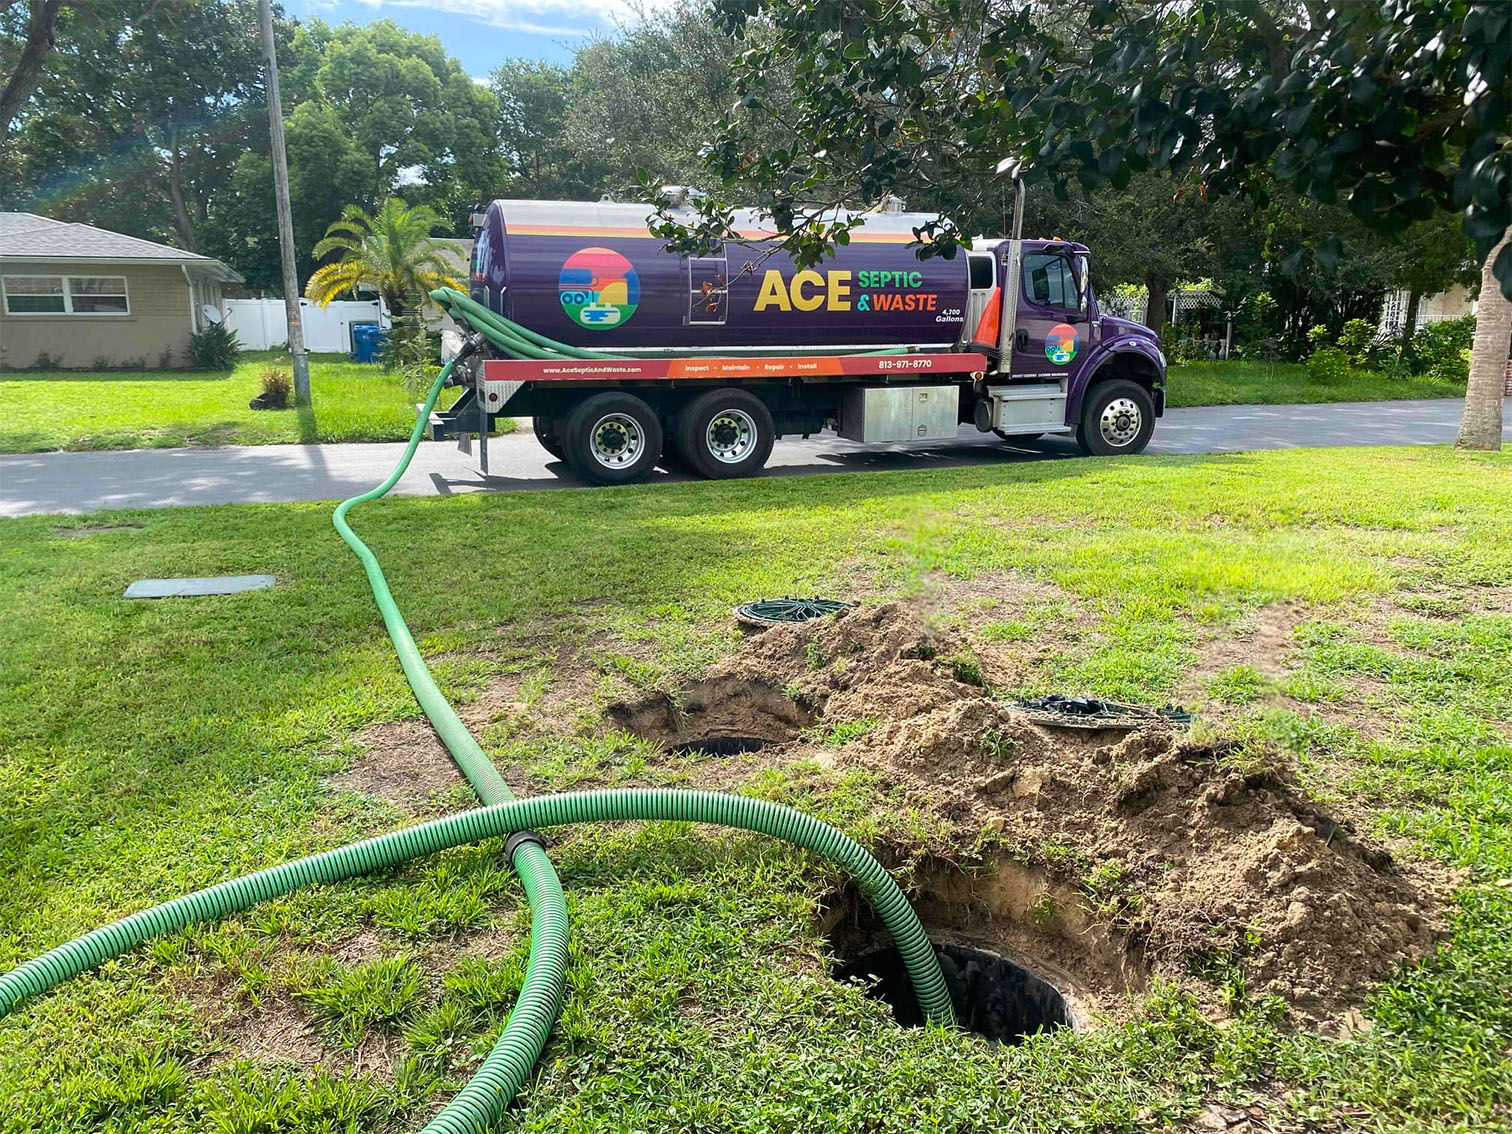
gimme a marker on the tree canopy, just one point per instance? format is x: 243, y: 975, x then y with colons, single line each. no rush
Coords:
x: 149, y: 118
x: 1396, y: 109
x: 125, y: 133
x: 389, y: 250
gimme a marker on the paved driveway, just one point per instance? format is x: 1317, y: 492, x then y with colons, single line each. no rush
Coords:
x: 160, y: 478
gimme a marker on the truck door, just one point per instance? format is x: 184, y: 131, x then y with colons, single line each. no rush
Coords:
x: 1051, y: 328
x: 708, y: 289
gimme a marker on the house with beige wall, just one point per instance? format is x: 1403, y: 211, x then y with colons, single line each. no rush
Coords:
x: 79, y: 297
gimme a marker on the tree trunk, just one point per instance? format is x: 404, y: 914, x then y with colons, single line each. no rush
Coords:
x: 1409, y: 323
x: 1155, y: 306
x: 181, y: 221
x: 41, y: 37
x: 1481, y: 424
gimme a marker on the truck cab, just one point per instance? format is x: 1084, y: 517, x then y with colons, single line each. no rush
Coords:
x: 1057, y: 364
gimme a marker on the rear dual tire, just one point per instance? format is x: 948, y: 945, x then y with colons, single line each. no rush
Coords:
x: 612, y: 438
x: 725, y: 433
x: 616, y: 438
x: 548, y: 431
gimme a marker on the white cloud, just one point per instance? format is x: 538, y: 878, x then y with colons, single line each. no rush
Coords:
x: 536, y: 17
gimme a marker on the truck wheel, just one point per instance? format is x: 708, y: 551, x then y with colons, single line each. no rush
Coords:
x: 548, y: 431
x: 1117, y: 417
x: 725, y: 433
x: 612, y: 438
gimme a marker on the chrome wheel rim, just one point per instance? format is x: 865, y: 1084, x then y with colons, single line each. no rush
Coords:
x: 1120, y: 421
x: 616, y: 440
x: 731, y: 436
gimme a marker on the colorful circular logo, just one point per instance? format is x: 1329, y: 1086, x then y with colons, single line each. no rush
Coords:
x: 599, y: 288
x: 1060, y: 344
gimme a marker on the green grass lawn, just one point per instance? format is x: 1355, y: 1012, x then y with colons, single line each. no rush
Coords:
x: 1287, y: 383
x: 157, y: 409
x: 358, y: 402
x: 154, y: 747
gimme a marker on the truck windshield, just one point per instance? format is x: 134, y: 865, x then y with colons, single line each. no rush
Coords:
x: 1048, y: 282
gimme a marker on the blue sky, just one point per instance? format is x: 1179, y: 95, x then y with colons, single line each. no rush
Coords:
x: 482, y: 33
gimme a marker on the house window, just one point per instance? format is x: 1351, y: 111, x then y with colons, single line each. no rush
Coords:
x: 97, y: 295
x: 65, y: 295
x: 35, y: 295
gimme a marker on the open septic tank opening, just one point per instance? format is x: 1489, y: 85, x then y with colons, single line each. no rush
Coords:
x: 992, y: 996
x: 720, y: 746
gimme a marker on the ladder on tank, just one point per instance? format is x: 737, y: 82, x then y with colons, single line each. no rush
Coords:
x: 708, y: 290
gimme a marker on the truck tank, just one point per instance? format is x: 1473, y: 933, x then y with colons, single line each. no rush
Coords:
x: 592, y: 275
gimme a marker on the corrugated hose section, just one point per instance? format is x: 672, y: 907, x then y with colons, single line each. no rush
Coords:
x: 504, y: 1071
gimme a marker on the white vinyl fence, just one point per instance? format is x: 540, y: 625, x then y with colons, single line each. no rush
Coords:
x: 260, y: 323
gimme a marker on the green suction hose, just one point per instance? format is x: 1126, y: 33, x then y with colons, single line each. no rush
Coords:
x: 654, y: 804
x: 477, y: 767
x: 504, y: 1071
x: 519, y: 341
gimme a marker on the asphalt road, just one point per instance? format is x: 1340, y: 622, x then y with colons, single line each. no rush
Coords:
x: 161, y: 478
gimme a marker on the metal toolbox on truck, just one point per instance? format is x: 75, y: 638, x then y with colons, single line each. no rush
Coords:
x: 899, y: 413
x: 1038, y: 407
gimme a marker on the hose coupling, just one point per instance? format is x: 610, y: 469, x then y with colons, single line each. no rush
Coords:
x: 475, y: 343
x: 519, y: 839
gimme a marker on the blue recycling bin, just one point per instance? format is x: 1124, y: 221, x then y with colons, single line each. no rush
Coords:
x: 367, y: 339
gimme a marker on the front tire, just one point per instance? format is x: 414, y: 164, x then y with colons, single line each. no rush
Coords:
x: 725, y: 433
x: 1117, y: 418
x: 612, y: 438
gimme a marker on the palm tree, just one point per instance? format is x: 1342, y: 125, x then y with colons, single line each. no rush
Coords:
x: 1481, y: 424
x: 390, y: 251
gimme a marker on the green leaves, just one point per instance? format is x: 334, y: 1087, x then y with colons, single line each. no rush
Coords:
x: 1401, y: 106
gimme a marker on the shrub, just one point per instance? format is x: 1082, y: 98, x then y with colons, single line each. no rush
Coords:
x: 1328, y: 364
x: 1359, y: 341
x: 1182, y: 342
x: 214, y: 348
x: 1442, y: 349
x: 1318, y: 337
x: 1257, y: 328
x: 277, y: 385
x: 1267, y: 349
x: 1396, y: 368
x: 407, y: 342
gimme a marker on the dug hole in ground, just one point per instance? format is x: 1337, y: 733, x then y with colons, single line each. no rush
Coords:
x: 1073, y: 867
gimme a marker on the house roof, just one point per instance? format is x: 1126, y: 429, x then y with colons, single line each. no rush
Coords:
x: 25, y: 236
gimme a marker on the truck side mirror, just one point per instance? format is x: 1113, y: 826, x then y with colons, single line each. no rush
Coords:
x: 1082, y: 275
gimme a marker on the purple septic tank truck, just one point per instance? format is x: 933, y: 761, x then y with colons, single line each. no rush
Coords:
x: 1007, y: 337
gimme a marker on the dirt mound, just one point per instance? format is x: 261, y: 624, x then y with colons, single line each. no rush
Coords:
x: 1129, y: 853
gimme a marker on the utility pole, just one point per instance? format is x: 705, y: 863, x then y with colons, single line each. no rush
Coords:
x: 285, y: 220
